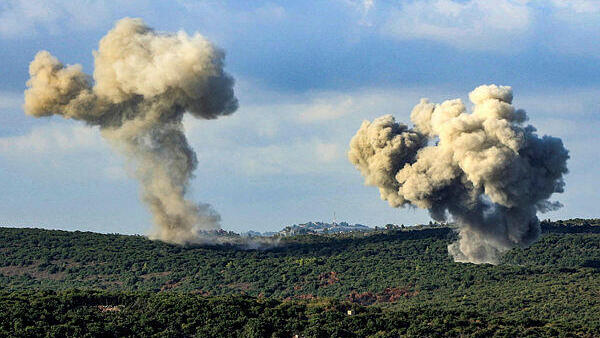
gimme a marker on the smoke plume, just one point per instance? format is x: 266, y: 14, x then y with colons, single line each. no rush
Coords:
x: 143, y: 83
x: 485, y: 169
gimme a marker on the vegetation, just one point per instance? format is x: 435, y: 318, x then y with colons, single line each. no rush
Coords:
x: 396, y: 282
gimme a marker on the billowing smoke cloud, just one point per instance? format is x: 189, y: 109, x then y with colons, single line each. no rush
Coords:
x: 143, y: 83
x: 485, y: 169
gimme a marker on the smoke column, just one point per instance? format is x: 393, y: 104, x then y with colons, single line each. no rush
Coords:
x: 485, y: 169
x: 143, y: 83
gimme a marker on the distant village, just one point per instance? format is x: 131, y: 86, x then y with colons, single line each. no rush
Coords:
x: 323, y: 228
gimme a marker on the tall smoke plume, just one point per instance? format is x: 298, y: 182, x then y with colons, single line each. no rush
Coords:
x: 485, y: 169
x: 143, y: 83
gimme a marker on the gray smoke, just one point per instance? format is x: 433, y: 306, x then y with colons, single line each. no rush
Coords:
x: 143, y: 83
x: 485, y: 169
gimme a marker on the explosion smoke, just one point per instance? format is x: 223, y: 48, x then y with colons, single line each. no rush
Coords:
x: 485, y: 169
x: 144, y: 82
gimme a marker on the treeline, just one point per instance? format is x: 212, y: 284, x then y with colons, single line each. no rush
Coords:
x: 571, y: 226
x: 300, y: 265
x: 106, y: 314
x: 397, y: 282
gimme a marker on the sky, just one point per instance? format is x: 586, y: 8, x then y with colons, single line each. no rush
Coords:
x: 307, y: 74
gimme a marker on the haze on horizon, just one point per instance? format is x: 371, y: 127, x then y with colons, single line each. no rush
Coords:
x: 305, y: 82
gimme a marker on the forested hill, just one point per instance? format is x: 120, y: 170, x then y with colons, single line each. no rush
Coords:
x: 332, y: 265
x: 403, y: 276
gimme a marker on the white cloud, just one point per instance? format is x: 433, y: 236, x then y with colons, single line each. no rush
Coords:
x: 472, y: 24
x: 296, y: 158
x: 18, y: 17
x: 52, y: 140
x: 115, y: 173
x: 224, y: 23
x: 10, y: 100
x: 268, y: 144
x: 327, y: 107
x: 507, y: 26
x: 327, y: 152
x: 266, y: 12
x: 577, y: 6
x: 559, y: 103
x: 300, y: 134
x: 59, y: 151
x: 574, y: 28
x: 269, y: 12
x: 363, y: 8
x: 330, y: 109
x: 25, y: 18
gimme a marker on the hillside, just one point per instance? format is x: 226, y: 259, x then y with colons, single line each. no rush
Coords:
x: 402, y: 276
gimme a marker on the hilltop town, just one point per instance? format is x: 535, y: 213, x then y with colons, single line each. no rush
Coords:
x: 313, y: 228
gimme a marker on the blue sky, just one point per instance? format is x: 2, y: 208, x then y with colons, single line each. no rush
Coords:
x: 307, y: 74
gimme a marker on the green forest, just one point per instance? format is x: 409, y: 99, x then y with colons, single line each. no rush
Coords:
x: 385, y: 283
